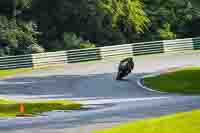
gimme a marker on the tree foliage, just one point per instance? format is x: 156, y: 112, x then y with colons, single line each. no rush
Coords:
x: 51, y: 25
x: 102, y: 22
x: 130, y: 10
x: 17, y: 37
x: 166, y: 33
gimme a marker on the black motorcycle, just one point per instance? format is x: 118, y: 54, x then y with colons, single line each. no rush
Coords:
x: 125, y: 68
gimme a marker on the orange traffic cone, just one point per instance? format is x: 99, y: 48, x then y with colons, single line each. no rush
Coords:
x: 22, y: 111
x: 21, y: 108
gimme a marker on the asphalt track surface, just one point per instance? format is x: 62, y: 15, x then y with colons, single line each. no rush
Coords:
x: 108, y: 102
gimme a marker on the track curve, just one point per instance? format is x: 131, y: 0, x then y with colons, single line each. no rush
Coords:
x: 112, y: 102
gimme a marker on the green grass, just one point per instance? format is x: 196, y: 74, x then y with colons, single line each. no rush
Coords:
x: 10, y: 72
x: 185, y: 81
x: 10, y: 108
x: 188, y: 122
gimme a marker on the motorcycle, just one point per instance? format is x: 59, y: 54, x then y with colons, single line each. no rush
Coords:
x: 125, y: 68
x: 121, y: 75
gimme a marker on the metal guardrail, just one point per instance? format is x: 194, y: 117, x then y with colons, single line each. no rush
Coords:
x: 178, y: 45
x: 11, y: 62
x: 148, y: 48
x: 116, y: 51
x: 81, y: 55
x: 196, y: 43
x: 50, y: 58
x: 100, y: 53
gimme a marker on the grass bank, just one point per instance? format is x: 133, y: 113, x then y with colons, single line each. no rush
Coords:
x: 179, y: 123
x: 10, y: 108
x: 11, y: 72
x: 186, y: 81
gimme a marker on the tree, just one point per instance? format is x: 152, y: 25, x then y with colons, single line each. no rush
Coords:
x: 177, y: 13
x: 130, y: 10
x: 166, y: 33
x: 14, y: 8
x: 102, y: 22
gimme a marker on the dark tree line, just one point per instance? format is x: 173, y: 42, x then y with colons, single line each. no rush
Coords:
x: 31, y: 26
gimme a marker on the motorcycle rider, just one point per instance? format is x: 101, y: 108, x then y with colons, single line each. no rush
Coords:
x: 126, y: 66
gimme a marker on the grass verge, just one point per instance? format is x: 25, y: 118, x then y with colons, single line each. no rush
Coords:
x: 10, y: 108
x: 179, y: 123
x: 11, y: 72
x: 184, y: 81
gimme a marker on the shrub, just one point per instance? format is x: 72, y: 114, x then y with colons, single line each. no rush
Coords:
x: 87, y: 44
x: 71, y: 41
x: 35, y: 48
x: 166, y: 33
x: 17, y: 37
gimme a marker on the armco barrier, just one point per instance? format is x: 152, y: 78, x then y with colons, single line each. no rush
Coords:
x: 178, y: 45
x: 81, y: 55
x: 196, y: 43
x: 117, y: 51
x: 11, y: 62
x: 50, y: 58
x: 148, y: 48
x: 100, y: 53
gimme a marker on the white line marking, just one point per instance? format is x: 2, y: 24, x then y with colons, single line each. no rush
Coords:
x: 110, y: 101
x: 147, y: 88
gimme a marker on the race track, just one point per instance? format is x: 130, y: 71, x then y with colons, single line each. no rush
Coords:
x: 109, y: 102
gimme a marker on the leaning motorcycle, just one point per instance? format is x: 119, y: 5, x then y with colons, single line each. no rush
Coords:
x: 121, y: 75
x: 125, y: 68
